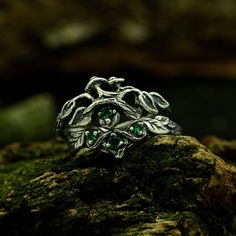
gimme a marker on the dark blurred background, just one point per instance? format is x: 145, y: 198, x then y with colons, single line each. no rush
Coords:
x: 183, y: 49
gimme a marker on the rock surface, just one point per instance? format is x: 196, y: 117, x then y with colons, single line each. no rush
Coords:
x: 220, y: 147
x: 168, y: 185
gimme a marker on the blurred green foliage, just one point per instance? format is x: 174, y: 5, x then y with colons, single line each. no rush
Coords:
x: 31, y: 28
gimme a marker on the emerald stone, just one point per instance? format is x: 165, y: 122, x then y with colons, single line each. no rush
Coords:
x: 91, y: 136
x: 115, y: 142
x: 137, y: 128
x: 106, y: 113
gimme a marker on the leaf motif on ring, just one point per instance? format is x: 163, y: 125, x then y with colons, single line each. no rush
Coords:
x: 159, y: 100
x: 79, y: 119
x: 66, y: 109
x: 79, y: 142
x: 156, y: 126
x: 112, y: 117
x: 75, y: 136
x: 163, y: 119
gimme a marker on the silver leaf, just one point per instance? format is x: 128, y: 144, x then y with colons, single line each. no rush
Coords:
x: 163, y: 119
x: 77, y: 116
x: 156, y: 127
x: 76, y: 137
x: 147, y: 102
x: 159, y: 100
x: 66, y: 109
x: 79, y: 142
x: 79, y: 119
x: 73, y: 133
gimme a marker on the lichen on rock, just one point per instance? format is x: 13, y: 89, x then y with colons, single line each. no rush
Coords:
x: 167, y: 185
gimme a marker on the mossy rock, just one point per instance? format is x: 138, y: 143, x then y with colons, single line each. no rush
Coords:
x: 168, y: 185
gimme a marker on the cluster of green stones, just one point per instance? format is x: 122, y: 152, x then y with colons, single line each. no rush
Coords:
x: 114, y: 141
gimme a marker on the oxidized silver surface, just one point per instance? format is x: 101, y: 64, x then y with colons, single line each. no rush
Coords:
x: 111, y: 117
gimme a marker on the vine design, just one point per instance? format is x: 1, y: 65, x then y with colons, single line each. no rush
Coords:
x: 113, y: 117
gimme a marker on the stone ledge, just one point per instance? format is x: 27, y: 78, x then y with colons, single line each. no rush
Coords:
x: 169, y: 185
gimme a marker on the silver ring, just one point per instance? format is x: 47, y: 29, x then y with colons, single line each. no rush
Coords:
x: 111, y: 117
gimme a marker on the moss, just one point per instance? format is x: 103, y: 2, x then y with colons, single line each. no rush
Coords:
x: 27, y: 120
x: 95, y: 194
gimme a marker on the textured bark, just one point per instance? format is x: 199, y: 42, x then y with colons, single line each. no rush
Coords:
x: 168, y: 185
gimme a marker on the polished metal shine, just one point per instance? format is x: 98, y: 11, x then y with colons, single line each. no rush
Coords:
x: 110, y: 117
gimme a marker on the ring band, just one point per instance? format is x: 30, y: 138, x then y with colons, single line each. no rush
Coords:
x: 111, y: 118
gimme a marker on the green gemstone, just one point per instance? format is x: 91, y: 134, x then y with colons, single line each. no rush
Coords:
x: 137, y: 128
x: 106, y: 113
x: 92, y: 136
x: 115, y: 142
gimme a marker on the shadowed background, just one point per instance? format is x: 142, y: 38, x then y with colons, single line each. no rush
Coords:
x: 185, y: 50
